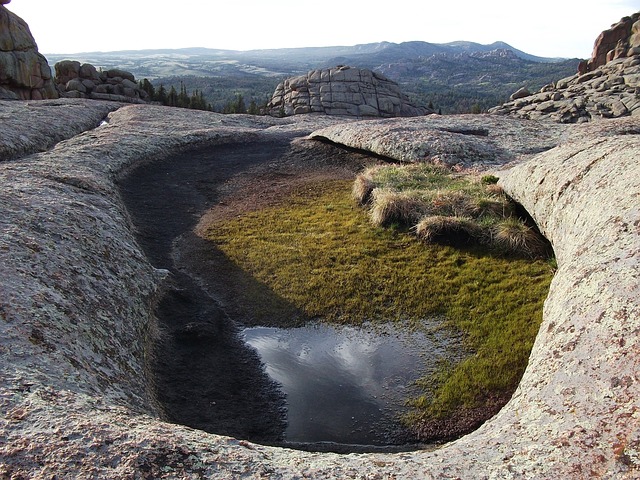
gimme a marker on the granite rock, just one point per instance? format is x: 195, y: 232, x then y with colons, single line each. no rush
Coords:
x: 606, y: 86
x: 75, y: 80
x: 342, y: 91
x: 460, y: 142
x: 610, y: 91
x: 24, y: 73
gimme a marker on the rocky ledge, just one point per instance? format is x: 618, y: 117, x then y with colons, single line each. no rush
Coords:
x: 76, y: 296
x: 609, y: 91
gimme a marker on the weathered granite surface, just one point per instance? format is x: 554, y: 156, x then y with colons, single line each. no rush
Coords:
x: 35, y: 126
x: 342, y: 90
x: 76, y: 292
x: 456, y: 141
x: 24, y: 73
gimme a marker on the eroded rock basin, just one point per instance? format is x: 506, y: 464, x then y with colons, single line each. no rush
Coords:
x: 574, y: 414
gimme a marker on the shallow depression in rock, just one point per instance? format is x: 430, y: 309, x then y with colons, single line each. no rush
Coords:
x: 346, y: 385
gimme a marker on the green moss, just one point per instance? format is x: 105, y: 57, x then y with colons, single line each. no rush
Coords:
x: 317, y: 254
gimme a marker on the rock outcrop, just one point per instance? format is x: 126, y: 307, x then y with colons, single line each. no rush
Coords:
x: 610, y: 91
x: 24, y: 73
x: 77, y: 295
x: 342, y: 91
x: 620, y: 41
x: 75, y: 80
x: 607, y: 86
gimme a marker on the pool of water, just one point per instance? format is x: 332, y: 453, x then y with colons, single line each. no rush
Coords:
x: 347, y: 385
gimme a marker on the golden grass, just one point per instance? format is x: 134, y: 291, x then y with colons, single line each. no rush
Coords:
x: 514, y: 235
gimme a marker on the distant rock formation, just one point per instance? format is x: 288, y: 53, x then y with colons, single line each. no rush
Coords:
x: 24, y: 73
x: 620, y: 41
x: 606, y: 86
x: 342, y: 91
x: 74, y: 80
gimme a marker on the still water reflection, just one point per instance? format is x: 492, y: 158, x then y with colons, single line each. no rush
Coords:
x: 345, y: 384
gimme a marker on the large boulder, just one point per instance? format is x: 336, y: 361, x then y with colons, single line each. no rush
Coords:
x: 342, y: 91
x: 24, y: 73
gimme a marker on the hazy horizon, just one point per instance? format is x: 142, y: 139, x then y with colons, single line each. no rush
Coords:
x: 548, y: 29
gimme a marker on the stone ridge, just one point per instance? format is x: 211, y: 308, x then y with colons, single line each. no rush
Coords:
x: 342, y: 91
x: 76, y: 296
x: 610, y: 91
x: 24, y: 73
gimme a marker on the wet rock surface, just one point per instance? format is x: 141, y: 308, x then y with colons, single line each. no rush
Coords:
x: 78, y: 292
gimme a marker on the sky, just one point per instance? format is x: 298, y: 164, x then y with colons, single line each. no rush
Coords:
x: 547, y: 28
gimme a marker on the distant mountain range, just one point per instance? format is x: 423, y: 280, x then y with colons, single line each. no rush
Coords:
x: 456, y: 76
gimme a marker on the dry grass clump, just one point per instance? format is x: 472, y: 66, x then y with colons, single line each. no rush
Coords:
x: 489, y: 207
x: 362, y: 188
x: 494, y: 190
x: 513, y: 235
x: 457, y: 209
x: 451, y: 203
x: 443, y: 230
x: 392, y: 207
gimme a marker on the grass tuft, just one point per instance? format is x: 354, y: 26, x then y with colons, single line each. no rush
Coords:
x: 443, y: 230
x: 392, y: 207
x: 513, y: 235
x: 362, y: 188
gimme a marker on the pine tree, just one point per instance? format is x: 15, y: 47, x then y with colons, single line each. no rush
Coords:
x: 161, y: 95
x: 148, y: 87
x: 172, y: 99
x: 183, y: 98
x: 253, y: 108
x: 240, y: 105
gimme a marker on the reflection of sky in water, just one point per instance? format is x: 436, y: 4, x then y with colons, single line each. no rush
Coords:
x: 342, y: 384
